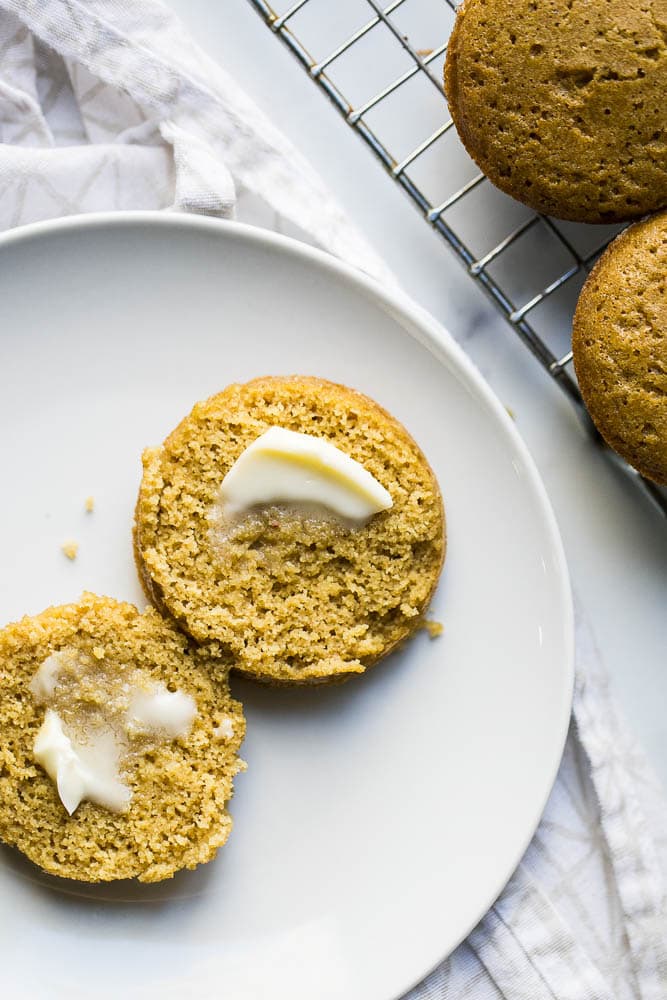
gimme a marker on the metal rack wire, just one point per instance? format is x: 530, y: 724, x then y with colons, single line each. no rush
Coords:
x: 539, y: 314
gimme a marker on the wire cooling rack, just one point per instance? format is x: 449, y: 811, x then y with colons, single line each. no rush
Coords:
x: 381, y: 67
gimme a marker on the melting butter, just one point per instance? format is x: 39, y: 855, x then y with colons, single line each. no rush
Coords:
x: 283, y: 465
x: 81, y: 771
x: 43, y: 683
x: 98, y: 714
x: 225, y: 728
x: 159, y: 711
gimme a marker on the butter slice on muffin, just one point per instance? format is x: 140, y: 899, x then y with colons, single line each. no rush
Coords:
x: 119, y: 743
x: 619, y: 341
x: 297, y: 592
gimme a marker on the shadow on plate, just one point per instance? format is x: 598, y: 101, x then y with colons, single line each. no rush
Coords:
x: 125, y: 892
x: 322, y: 701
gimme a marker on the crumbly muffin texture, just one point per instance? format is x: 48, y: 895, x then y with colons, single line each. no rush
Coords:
x: 296, y: 599
x: 619, y: 342
x: 177, y: 817
x: 562, y: 102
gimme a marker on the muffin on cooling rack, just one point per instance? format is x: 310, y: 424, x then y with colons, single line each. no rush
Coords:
x: 562, y: 105
x: 295, y: 522
x: 118, y: 743
x: 619, y: 341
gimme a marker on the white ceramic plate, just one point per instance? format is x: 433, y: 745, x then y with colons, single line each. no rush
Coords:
x: 377, y: 821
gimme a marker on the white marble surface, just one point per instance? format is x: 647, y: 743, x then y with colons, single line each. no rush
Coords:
x: 616, y: 543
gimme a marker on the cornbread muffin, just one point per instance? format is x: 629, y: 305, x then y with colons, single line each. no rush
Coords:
x: 619, y: 341
x: 176, y: 817
x: 295, y: 598
x: 562, y: 103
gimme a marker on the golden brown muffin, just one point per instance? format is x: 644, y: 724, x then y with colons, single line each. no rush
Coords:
x: 562, y: 102
x: 295, y: 599
x: 619, y: 341
x: 177, y: 816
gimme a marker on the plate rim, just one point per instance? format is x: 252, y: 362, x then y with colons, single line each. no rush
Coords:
x: 419, y: 324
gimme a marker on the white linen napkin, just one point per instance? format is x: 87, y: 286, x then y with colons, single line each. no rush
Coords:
x: 107, y: 104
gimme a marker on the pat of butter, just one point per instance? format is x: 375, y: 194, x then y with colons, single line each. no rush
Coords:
x: 283, y: 465
x: 81, y: 771
x: 157, y: 710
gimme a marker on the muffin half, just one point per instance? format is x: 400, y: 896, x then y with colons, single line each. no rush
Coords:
x: 296, y: 593
x: 118, y: 743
